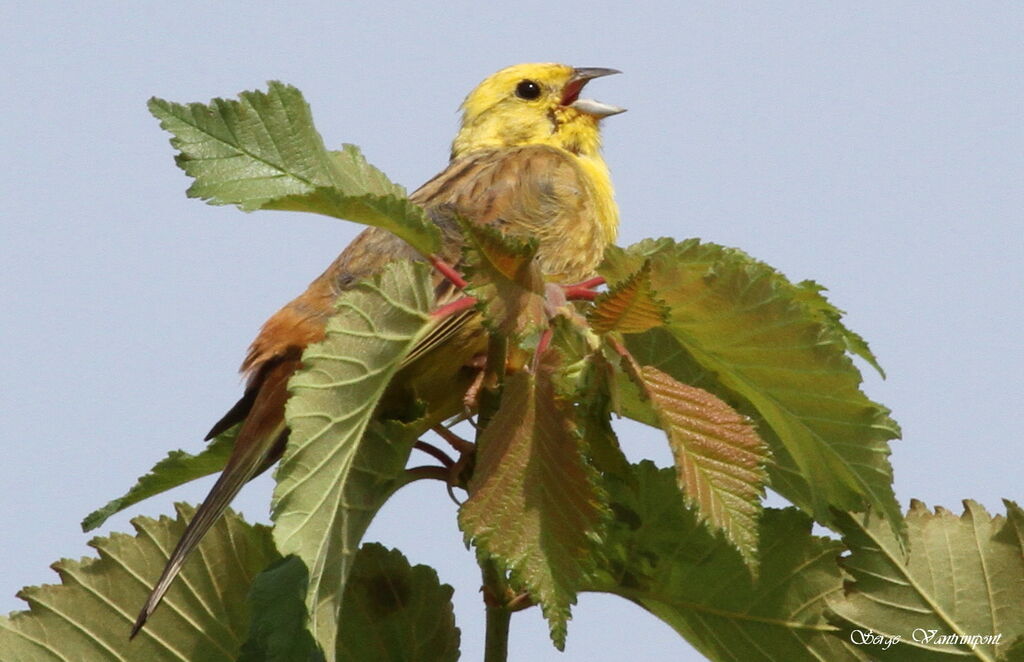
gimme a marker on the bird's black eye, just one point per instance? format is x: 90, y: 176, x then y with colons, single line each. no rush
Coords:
x: 527, y: 89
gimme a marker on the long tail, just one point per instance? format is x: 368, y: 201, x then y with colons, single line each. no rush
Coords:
x: 259, y: 444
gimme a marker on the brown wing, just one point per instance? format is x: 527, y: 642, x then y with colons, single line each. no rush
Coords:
x: 534, y: 191
x: 303, y: 319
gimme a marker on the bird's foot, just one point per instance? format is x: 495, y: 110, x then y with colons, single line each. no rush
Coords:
x: 454, y: 307
x: 556, y: 295
x: 459, y: 471
x: 451, y: 472
x: 448, y: 271
x: 584, y: 291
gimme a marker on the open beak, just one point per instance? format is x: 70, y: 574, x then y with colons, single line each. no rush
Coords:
x: 571, y: 92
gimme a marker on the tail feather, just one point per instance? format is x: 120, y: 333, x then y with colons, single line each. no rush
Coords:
x: 257, y: 447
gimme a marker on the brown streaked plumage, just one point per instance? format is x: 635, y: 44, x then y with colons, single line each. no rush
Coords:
x: 543, y: 177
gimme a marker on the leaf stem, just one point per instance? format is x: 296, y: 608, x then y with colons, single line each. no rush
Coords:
x: 498, y: 614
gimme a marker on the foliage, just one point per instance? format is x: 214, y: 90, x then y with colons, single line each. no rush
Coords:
x: 533, y: 504
x: 341, y: 465
x: 703, y: 589
x: 740, y: 330
x: 749, y: 375
x: 962, y: 584
x: 89, y: 615
x: 176, y: 469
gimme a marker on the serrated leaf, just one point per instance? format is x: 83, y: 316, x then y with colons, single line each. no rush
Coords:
x: 396, y: 612
x: 397, y: 215
x: 87, y: 618
x: 719, y: 457
x: 263, y: 152
x: 353, y: 174
x: 504, y: 276
x: 813, y: 298
x: 176, y: 469
x: 533, y: 505
x: 963, y: 578
x: 246, y: 152
x: 739, y: 329
x: 340, y: 467
x: 658, y: 347
x: 629, y: 307
x: 392, y: 612
x: 659, y: 556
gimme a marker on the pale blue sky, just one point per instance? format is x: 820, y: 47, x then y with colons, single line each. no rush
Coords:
x: 877, y: 148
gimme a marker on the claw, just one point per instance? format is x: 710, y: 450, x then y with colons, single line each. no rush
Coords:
x: 436, y: 453
x: 466, y: 450
x: 432, y: 472
x: 458, y: 443
x: 450, y: 472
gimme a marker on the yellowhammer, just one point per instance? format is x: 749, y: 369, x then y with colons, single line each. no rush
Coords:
x: 526, y: 160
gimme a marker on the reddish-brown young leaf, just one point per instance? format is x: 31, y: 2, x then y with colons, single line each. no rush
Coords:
x: 630, y: 307
x: 720, y: 459
x: 534, y: 506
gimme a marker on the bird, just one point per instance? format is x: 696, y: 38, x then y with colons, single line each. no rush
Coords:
x: 526, y: 160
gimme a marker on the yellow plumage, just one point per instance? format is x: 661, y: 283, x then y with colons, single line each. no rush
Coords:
x: 493, y: 116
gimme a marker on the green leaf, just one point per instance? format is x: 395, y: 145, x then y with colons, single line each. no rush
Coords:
x: 810, y: 294
x: 395, y: 612
x: 176, y: 469
x: 263, y: 152
x: 392, y: 611
x: 740, y: 330
x: 964, y: 577
x: 661, y: 557
x: 533, y: 505
x: 658, y: 347
x: 594, y: 407
x: 719, y: 457
x: 277, y: 602
x: 338, y: 469
x: 204, y: 616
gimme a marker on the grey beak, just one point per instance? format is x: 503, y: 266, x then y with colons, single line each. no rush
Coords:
x: 584, y: 74
x: 589, y: 106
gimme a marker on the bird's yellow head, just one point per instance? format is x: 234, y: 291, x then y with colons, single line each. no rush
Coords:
x: 533, y: 104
